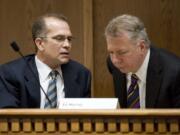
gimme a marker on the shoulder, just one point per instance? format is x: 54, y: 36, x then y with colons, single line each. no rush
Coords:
x: 17, y: 64
x: 165, y: 55
x: 74, y: 66
x: 165, y: 58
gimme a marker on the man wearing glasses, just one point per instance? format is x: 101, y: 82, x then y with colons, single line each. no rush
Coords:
x: 41, y: 80
x: 144, y: 76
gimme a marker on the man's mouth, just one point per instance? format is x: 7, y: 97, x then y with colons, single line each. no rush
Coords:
x: 64, y: 53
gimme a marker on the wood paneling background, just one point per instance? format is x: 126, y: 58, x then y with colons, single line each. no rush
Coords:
x: 88, y: 19
x: 16, y: 18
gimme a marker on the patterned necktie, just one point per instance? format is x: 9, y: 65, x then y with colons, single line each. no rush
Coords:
x: 133, y: 93
x: 52, y: 91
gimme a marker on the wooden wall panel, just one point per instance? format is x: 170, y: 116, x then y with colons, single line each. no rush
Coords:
x: 17, y: 16
x: 88, y: 19
x: 161, y: 18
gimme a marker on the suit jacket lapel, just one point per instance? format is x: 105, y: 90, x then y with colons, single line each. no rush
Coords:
x: 120, y: 86
x: 123, y: 91
x: 71, y: 86
x: 32, y: 83
x: 119, y: 83
x: 153, y: 81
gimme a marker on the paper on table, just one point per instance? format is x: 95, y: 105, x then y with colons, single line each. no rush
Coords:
x: 88, y: 103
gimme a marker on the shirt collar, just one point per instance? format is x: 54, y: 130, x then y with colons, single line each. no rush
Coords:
x: 44, y: 69
x: 142, y: 71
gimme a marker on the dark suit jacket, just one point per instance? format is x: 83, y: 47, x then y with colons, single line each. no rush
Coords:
x: 162, y: 82
x: 20, y: 88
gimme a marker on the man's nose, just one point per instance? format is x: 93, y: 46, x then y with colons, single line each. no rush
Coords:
x: 66, y: 43
x: 115, y: 58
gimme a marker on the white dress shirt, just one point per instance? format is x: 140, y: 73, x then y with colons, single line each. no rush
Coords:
x: 141, y: 74
x: 44, y: 79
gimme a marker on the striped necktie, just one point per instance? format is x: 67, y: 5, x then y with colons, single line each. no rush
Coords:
x: 52, y: 91
x: 133, y: 93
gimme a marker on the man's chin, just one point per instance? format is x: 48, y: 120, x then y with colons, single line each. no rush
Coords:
x: 64, y: 61
x: 123, y: 70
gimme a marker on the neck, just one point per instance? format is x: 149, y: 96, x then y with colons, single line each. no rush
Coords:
x: 48, y: 62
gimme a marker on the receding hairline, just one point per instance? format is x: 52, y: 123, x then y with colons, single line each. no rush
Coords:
x: 39, y: 25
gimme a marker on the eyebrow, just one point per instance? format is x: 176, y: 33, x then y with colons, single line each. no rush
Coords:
x: 62, y: 35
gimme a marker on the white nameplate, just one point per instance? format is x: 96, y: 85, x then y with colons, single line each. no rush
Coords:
x: 88, y: 103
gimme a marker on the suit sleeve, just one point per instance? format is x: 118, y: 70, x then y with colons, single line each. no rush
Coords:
x: 8, y: 92
x: 88, y: 85
x: 176, y: 91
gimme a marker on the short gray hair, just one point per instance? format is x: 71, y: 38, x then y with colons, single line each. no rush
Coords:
x: 129, y: 24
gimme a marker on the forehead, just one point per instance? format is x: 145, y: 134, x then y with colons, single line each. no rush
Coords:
x: 119, y: 42
x: 58, y: 26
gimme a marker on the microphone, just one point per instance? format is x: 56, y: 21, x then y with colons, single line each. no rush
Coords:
x: 16, y: 48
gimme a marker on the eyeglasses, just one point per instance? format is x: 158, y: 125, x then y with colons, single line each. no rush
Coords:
x: 61, y: 38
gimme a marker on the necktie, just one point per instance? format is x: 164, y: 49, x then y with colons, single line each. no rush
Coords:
x: 52, y: 91
x: 133, y: 93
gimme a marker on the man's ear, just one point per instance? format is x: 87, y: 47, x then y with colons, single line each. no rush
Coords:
x: 39, y: 43
x: 142, y: 45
